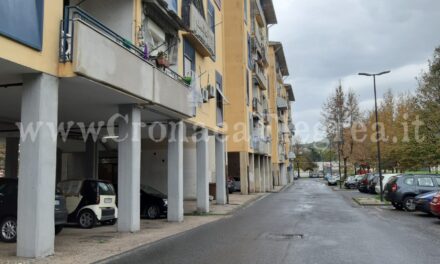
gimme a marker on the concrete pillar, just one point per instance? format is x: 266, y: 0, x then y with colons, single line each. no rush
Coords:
x: 283, y: 174
x: 251, y: 173
x: 175, y: 173
x: 220, y: 167
x: 244, y: 172
x: 11, y: 157
x: 36, y: 187
x: 257, y: 173
x: 269, y: 175
x: 91, y: 159
x: 263, y: 174
x: 202, y: 171
x: 129, y: 169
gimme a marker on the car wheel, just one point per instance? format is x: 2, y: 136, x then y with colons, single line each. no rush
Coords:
x: 58, y: 229
x: 408, y: 204
x: 110, y: 222
x: 87, y: 219
x: 8, y: 230
x: 152, y: 212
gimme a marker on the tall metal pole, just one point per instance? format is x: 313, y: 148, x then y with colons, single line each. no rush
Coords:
x: 377, y: 141
x: 339, y: 166
x: 379, y: 166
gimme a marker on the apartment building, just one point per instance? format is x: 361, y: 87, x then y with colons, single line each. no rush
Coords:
x: 247, y: 60
x: 283, y: 129
x: 128, y: 91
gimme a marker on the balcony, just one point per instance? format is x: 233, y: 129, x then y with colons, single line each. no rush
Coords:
x: 282, y: 103
x: 257, y: 107
x: 259, y: 13
x: 101, y: 55
x: 200, y: 34
x: 260, y: 77
x: 261, y: 145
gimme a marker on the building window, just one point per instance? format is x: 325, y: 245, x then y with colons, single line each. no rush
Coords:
x: 247, y: 88
x: 249, y: 46
x: 211, y: 23
x: 172, y: 5
x: 189, y: 59
x: 219, y: 98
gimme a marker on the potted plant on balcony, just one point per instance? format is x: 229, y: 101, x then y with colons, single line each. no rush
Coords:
x: 162, y: 60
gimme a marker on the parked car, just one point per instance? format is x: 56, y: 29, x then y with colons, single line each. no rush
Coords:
x: 231, y: 185
x: 423, y: 202
x: 402, y: 190
x: 334, y: 180
x: 372, y: 184
x: 352, y: 182
x: 8, y: 210
x: 385, y: 180
x: 89, y: 202
x: 364, y: 182
x: 154, y: 203
x: 435, y: 205
x: 237, y: 184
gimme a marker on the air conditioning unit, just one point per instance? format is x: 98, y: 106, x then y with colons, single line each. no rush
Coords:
x: 211, y: 91
x: 205, y: 95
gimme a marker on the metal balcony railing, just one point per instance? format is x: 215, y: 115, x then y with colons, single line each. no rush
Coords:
x: 260, y: 76
x: 72, y: 13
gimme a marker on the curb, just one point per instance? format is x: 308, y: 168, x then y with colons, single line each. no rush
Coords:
x: 370, y: 204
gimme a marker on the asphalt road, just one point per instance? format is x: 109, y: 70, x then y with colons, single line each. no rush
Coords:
x: 307, y: 223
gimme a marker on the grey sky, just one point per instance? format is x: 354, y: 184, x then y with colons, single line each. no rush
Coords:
x: 330, y: 40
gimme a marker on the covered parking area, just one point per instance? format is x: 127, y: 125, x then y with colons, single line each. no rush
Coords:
x: 54, y: 113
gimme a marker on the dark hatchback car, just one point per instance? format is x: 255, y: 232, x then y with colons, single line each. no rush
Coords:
x: 423, y: 202
x: 363, y: 185
x: 154, y: 204
x: 402, y: 190
x: 372, y: 184
x: 8, y: 210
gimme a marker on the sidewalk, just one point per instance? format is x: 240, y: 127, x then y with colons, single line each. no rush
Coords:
x: 74, y: 245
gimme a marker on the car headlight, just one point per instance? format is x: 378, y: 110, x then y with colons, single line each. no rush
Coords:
x: 165, y: 202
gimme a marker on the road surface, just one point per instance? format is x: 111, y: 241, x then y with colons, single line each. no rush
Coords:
x: 306, y: 223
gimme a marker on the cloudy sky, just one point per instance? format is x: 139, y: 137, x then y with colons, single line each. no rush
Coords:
x: 330, y: 40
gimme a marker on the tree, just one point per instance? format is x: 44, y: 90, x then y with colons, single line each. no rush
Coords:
x: 340, y: 114
x: 428, y: 106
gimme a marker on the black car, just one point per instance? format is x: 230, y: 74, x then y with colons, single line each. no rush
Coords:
x: 8, y: 210
x: 154, y: 204
x: 363, y: 185
x: 402, y: 190
x: 372, y: 184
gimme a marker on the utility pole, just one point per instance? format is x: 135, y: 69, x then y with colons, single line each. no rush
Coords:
x: 377, y: 128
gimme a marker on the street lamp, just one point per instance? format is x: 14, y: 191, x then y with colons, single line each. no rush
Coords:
x: 377, y: 127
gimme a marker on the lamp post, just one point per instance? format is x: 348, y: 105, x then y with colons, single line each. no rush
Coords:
x: 377, y: 127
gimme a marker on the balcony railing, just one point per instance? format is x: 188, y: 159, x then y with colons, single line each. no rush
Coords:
x: 259, y: 14
x: 200, y: 33
x: 260, y: 76
x: 257, y: 106
x: 98, y: 53
x: 261, y: 145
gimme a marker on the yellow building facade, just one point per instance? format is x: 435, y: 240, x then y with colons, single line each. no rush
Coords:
x: 247, y: 115
x: 158, y: 64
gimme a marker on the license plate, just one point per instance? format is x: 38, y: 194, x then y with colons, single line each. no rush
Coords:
x: 108, y: 200
x: 57, y: 202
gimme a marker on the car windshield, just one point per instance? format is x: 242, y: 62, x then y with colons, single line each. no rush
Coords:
x: 106, y: 188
